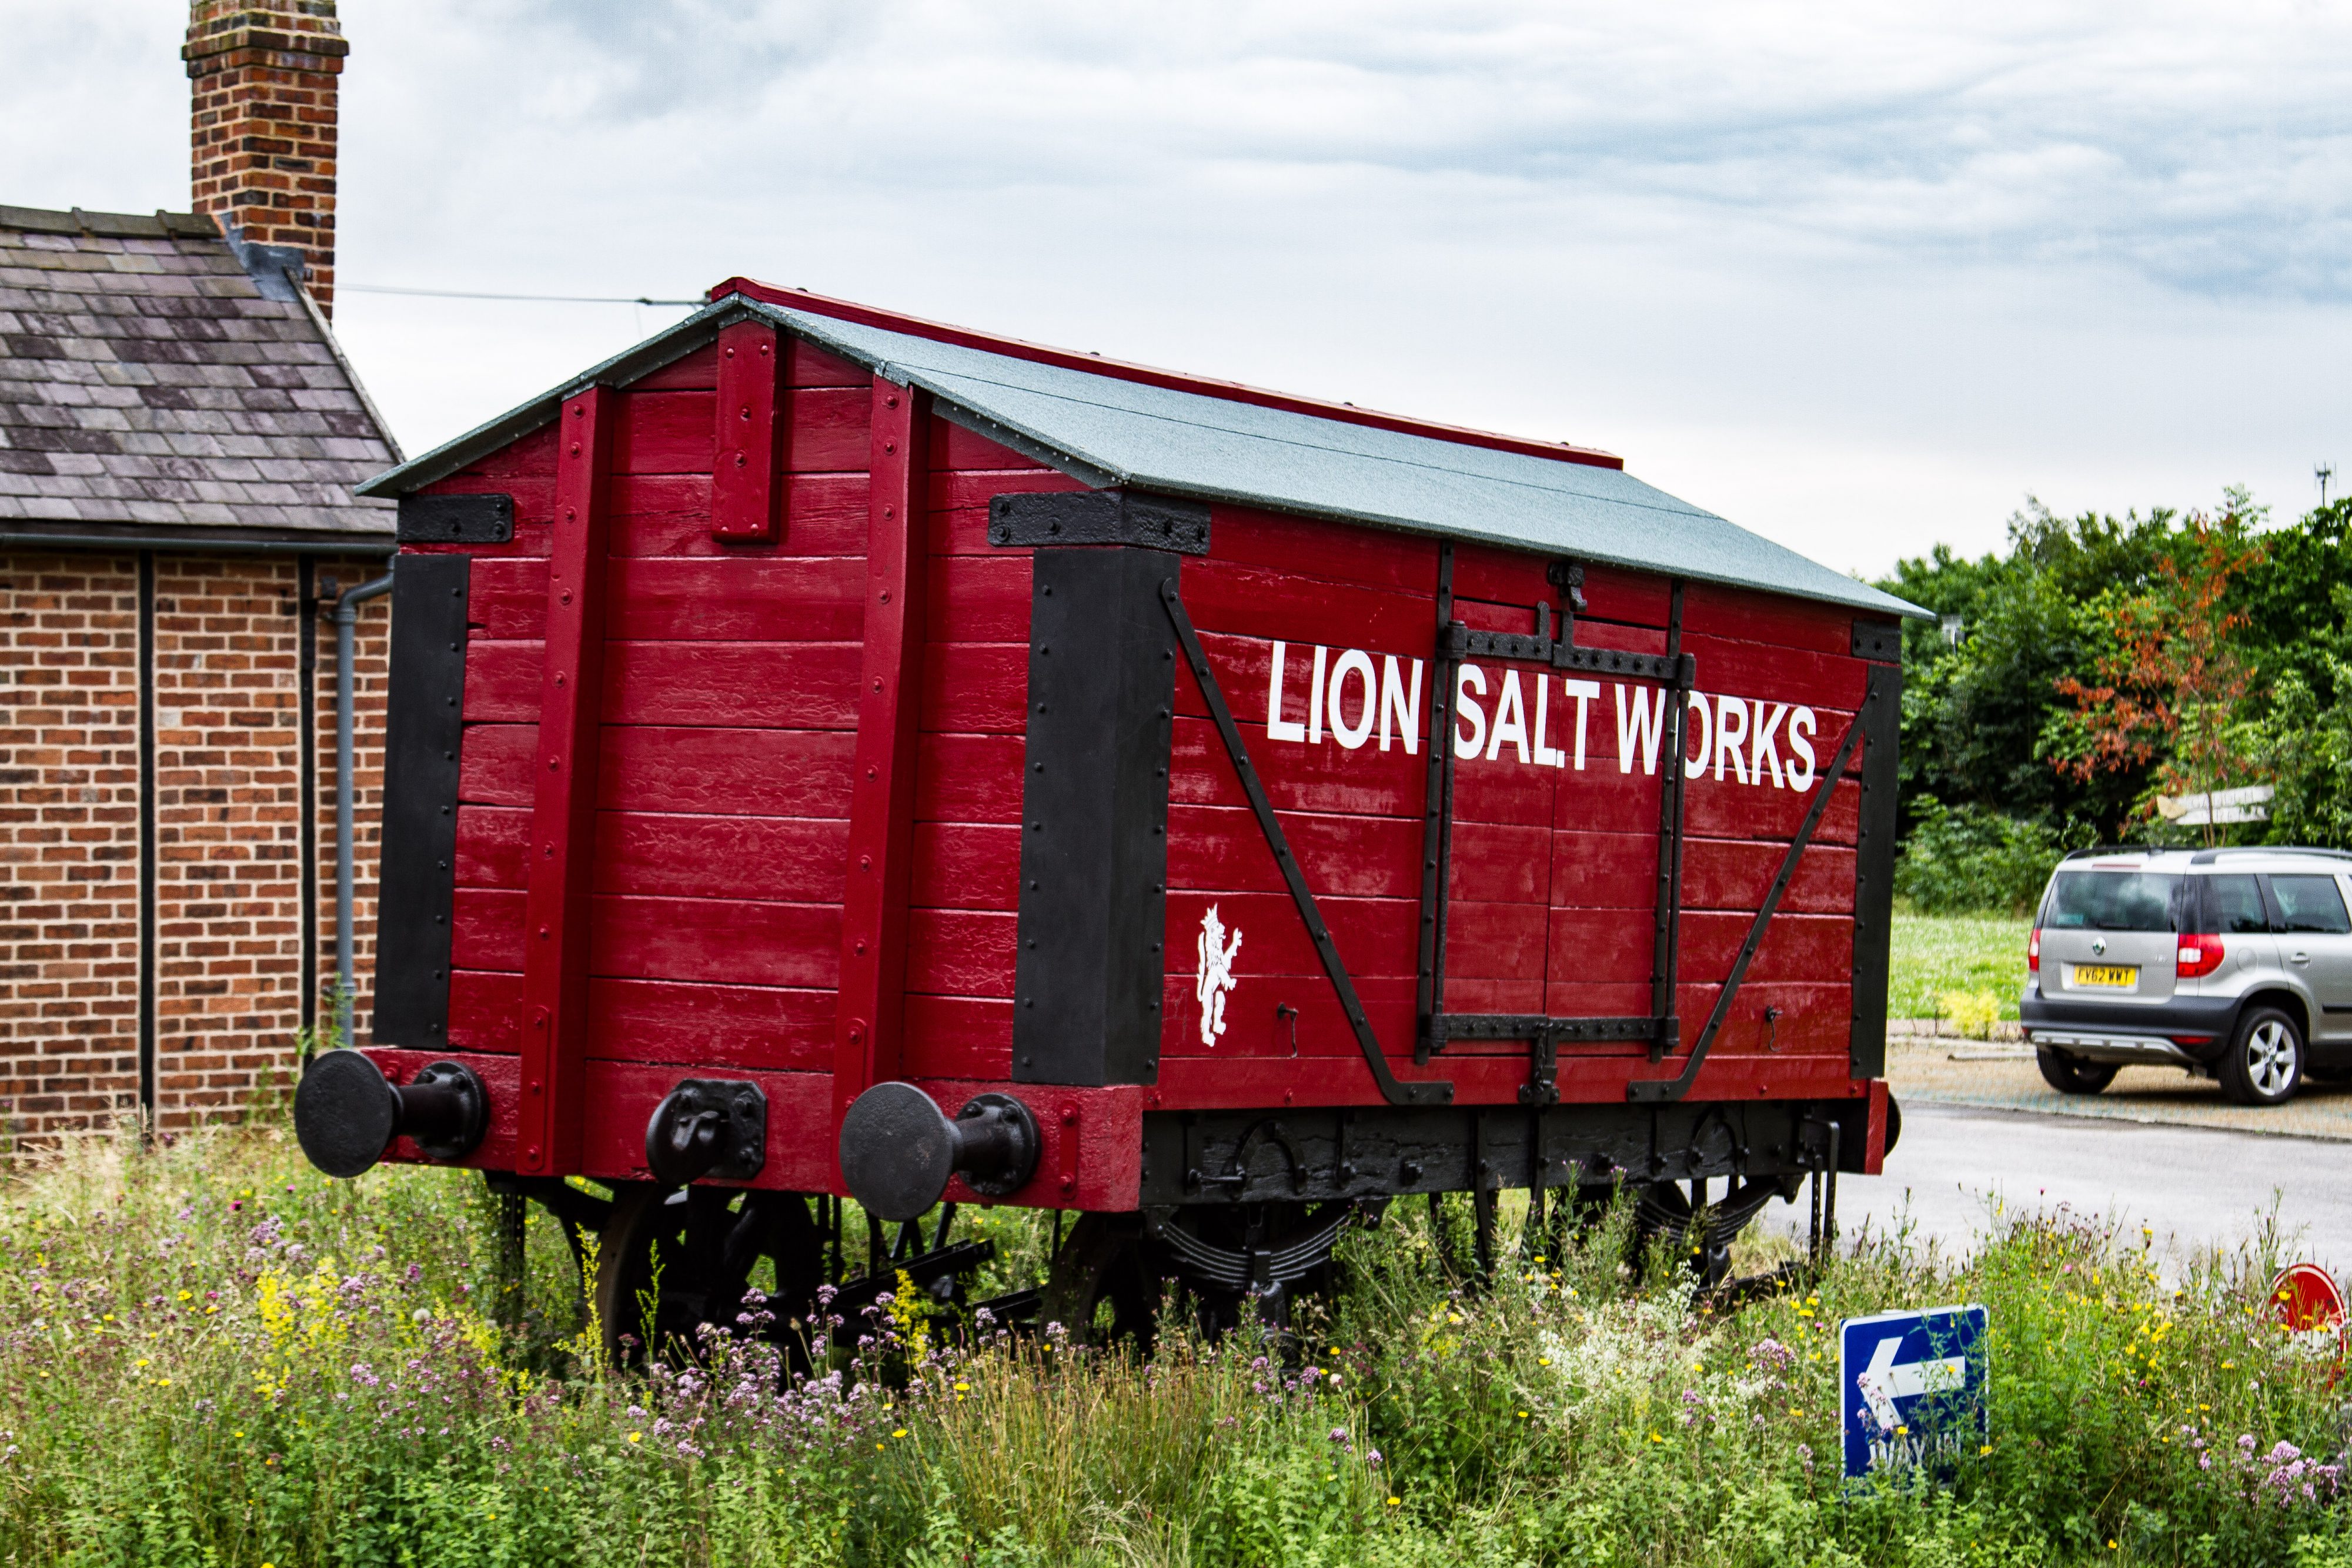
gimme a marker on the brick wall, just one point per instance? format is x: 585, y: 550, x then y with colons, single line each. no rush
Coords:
x: 228, y: 734
x: 68, y: 841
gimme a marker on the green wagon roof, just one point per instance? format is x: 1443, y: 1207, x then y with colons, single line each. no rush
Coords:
x: 1106, y: 429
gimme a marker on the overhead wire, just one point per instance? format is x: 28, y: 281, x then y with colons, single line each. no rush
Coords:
x: 537, y: 298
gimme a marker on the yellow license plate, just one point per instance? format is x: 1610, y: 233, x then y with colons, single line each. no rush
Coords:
x: 2119, y: 977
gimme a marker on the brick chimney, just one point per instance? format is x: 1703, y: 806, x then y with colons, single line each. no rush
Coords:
x: 262, y: 81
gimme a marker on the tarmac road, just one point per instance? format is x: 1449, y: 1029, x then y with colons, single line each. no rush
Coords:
x: 2196, y: 1187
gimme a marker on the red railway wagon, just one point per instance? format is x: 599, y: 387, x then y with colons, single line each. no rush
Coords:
x: 834, y: 754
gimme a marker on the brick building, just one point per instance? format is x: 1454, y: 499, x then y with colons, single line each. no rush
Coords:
x: 179, y: 435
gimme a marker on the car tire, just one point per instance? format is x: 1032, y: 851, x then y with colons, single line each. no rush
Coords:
x: 2264, y: 1063
x: 2072, y: 1074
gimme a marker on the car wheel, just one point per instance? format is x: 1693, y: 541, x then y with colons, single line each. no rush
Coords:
x: 2265, y: 1064
x: 2072, y: 1074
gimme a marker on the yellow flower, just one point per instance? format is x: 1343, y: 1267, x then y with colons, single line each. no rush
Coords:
x: 1902, y: 1431
x: 188, y: 1295
x: 963, y: 1388
x: 900, y: 1433
x: 1986, y: 1449
x: 1394, y: 1501
x: 141, y: 1362
x: 1543, y: 1361
x: 633, y: 1437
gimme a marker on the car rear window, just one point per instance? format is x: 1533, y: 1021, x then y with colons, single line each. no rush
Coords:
x: 2232, y: 904
x: 2309, y: 903
x: 2111, y: 901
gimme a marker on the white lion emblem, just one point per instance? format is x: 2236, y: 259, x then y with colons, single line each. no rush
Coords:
x: 1215, y: 976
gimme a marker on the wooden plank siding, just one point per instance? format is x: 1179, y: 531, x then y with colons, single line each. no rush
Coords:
x: 1551, y: 896
x: 729, y: 716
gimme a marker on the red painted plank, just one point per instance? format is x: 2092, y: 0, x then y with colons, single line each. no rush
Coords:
x: 750, y: 437
x: 953, y: 492
x: 806, y: 365
x: 966, y: 865
x: 958, y: 1037
x: 672, y: 431
x: 555, y: 971
x: 697, y: 372
x: 1241, y: 602
x: 976, y: 688
x: 757, y: 1028
x: 790, y: 686
x: 873, y: 953
x: 724, y: 772
x: 968, y: 779
x: 721, y: 940
x: 669, y: 514
x: 792, y: 859
x: 1325, y: 552
x: 960, y: 952
x: 1218, y: 849
x: 956, y: 450
x: 981, y: 598
x: 728, y: 772
x: 494, y: 764
x: 1731, y: 614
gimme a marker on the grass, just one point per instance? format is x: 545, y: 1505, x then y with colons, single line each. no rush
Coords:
x: 1935, y: 953
x: 209, y: 1355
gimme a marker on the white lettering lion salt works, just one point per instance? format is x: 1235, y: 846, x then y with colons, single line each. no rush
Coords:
x: 839, y: 757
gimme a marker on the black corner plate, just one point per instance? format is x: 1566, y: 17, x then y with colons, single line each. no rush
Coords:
x: 1098, y: 517
x: 1879, y: 640
x: 456, y: 520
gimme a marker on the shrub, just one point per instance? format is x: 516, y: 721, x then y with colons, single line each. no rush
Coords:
x: 1973, y: 1013
x: 1965, y: 859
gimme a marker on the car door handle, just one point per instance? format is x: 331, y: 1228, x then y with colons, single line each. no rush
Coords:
x: 2298, y: 958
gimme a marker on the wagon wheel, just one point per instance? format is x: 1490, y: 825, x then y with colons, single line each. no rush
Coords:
x: 670, y: 1261
x: 1662, y: 1209
x: 1101, y: 1261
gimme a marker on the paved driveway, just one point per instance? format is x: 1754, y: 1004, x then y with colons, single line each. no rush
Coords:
x: 2197, y: 1186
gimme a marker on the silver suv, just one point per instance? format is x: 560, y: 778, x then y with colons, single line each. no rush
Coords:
x: 2233, y: 963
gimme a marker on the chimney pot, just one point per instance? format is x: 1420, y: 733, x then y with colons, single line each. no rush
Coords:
x: 262, y: 79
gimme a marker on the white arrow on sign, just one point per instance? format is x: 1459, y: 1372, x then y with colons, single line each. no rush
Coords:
x: 1883, y: 1382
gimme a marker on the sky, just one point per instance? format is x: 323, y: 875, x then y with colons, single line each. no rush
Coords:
x: 1862, y: 278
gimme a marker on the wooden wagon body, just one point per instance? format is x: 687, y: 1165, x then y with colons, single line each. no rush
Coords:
x: 813, y: 699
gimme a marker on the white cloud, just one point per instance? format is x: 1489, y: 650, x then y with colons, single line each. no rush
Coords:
x: 1853, y: 276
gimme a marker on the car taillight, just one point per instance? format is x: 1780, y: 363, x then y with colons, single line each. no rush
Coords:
x: 2033, y: 951
x: 2199, y: 955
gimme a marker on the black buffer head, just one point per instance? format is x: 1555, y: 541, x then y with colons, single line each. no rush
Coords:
x: 898, y: 1149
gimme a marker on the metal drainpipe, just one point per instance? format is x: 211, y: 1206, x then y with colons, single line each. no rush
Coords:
x: 347, y: 617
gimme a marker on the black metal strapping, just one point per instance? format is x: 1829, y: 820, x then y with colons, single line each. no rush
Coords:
x: 1394, y: 1091
x: 1656, y: 1091
x: 1679, y: 673
x: 1666, y: 923
x: 1437, y: 825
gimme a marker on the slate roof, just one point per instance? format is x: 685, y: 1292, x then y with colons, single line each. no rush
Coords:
x: 151, y: 385
x: 1171, y: 437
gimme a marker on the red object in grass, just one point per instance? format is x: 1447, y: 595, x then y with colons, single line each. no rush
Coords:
x: 2033, y: 951
x: 2199, y: 955
x: 2306, y: 1301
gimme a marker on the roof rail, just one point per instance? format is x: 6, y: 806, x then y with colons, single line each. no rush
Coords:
x: 2113, y: 849
x: 2206, y: 857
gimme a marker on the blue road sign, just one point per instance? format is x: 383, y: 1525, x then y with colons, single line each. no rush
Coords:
x: 1913, y: 1386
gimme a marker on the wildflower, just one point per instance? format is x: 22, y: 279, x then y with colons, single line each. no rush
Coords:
x: 636, y: 1436
x: 1395, y: 1501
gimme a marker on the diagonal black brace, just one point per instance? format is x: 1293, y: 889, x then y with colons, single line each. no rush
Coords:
x: 1438, y: 1092
x: 1656, y: 1091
